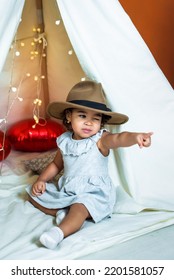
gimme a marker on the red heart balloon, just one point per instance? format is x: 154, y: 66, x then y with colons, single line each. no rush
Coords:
x: 5, y: 146
x: 24, y: 137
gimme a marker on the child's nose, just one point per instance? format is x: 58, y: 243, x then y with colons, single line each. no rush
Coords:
x: 88, y: 122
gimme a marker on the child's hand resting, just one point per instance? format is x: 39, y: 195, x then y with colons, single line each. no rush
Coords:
x: 144, y: 139
x: 38, y: 188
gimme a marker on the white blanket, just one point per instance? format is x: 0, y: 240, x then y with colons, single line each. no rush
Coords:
x: 21, y: 224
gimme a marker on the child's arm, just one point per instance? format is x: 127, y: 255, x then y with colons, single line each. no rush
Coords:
x: 124, y: 139
x: 48, y: 173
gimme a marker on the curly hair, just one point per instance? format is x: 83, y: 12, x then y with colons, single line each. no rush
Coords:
x: 104, y: 120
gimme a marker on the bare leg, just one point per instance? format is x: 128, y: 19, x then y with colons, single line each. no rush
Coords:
x: 75, y: 218
x: 73, y: 221
x: 47, y: 211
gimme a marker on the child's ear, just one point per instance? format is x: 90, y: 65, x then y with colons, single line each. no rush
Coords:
x: 68, y: 116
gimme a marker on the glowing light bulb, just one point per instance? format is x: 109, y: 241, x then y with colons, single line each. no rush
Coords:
x: 35, y: 78
x: 70, y: 52
x: 42, y: 77
x: 28, y: 74
x: 83, y: 79
x: 57, y: 22
x: 34, y: 29
x: 22, y: 44
x: 13, y: 89
x: 32, y: 43
x: 20, y: 99
x: 44, y: 54
x: 17, y: 53
x: 36, y: 118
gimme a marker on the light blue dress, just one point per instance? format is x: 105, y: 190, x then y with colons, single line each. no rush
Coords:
x: 85, y: 179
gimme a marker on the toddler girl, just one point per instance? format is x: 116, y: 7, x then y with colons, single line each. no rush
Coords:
x: 85, y: 191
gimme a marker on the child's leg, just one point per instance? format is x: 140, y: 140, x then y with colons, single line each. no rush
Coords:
x: 47, y: 211
x: 75, y: 218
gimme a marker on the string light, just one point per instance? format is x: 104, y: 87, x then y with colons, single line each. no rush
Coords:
x: 83, y: 79
x: 37, y: 40
x: 57, y: 22
x: 38, y: 45
x: 17, y: 53
x: 13, y: 89
x: 70, y: 52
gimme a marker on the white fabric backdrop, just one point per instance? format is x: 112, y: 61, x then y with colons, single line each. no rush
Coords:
x: 111, y: 51
x: 10, y: 13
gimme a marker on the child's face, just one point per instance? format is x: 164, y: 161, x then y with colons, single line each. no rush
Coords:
x: 85, y: 123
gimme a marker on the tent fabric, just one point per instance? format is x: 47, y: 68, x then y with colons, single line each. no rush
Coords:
x: 10, y: 14
x: 111, y: 51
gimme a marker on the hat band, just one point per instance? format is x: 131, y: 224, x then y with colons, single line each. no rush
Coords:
x: 91, y: 104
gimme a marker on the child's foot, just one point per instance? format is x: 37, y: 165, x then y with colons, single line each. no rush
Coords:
x: 60, y: 215
x: 52, y: 237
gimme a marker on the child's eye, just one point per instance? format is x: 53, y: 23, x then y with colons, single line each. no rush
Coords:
x: 82, y: 116
x: 96, y: 119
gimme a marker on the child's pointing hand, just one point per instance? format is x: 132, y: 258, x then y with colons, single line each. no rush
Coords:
x: 144, y: 139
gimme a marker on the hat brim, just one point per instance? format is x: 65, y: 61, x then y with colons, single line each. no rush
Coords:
x: 55, y: 109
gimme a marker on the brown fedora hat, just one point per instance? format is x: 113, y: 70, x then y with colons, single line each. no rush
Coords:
x: 88, y: 95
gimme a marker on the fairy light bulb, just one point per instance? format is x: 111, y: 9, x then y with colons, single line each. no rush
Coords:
x: 83, y: 79
x: 35, y: 78
x: 36, y: 118
x: 70, y: 52
x: 37, y: 101
x: 13, y: 89
x: 28, y: 74
x: 22, y: 44
x: 17, y: 53
x: 57, y: 22
x: 20, y: 99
